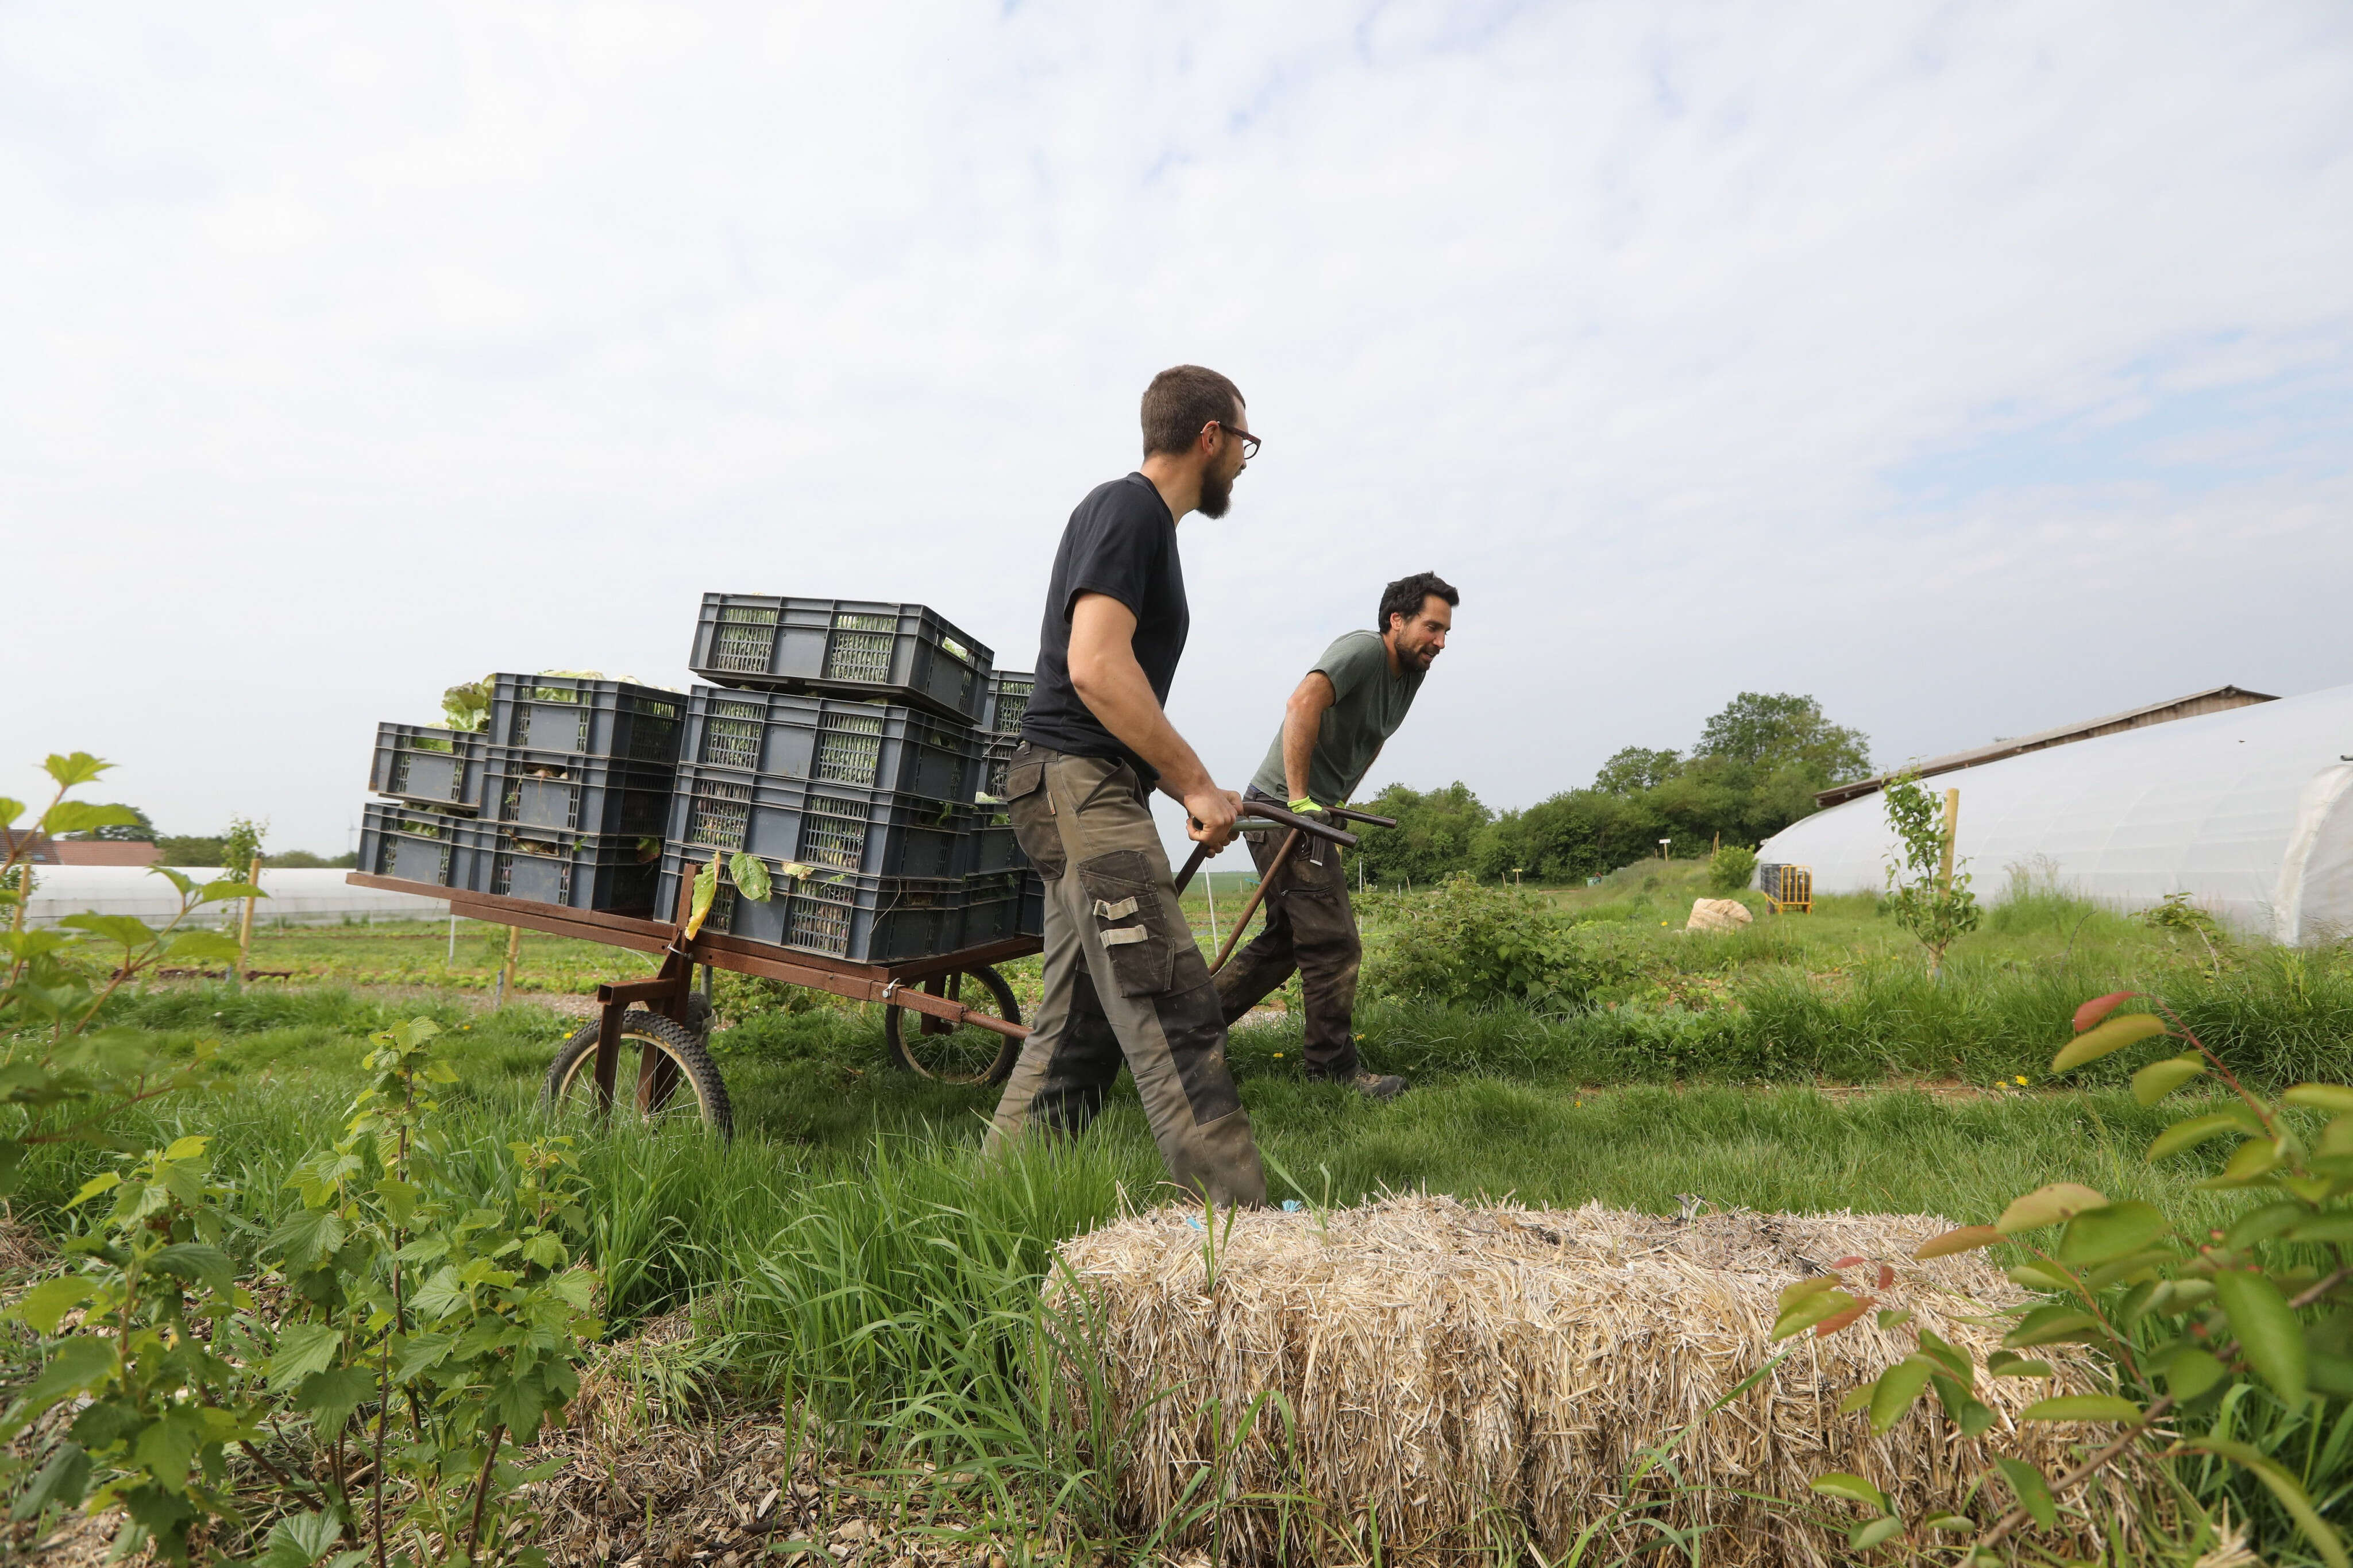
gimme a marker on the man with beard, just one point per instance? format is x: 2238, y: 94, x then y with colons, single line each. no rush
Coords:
x: 1123, y: 976
x: 1334, y: 727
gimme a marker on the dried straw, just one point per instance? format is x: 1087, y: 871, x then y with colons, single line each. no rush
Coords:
x: 1420, y: 1380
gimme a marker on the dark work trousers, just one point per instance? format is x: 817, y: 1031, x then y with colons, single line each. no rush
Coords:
x: 1123, y: 980
x: 1310, y: 928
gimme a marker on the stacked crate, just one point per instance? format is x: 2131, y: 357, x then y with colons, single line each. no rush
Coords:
x: 563, y: 799
x: 846, y: 745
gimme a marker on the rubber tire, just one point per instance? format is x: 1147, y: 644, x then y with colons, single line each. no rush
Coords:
x: 895, y: 1023
x: 572, y: 1073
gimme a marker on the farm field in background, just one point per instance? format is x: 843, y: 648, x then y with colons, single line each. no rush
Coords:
x: 848, y: 1263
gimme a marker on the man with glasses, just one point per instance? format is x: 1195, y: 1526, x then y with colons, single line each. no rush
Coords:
x: 1123, y: 976
x: 1334, y: 725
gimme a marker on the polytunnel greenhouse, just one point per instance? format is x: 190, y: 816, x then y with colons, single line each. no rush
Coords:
x: 2248, y: 812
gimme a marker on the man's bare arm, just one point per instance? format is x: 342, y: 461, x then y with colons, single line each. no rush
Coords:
x: 1302, y: 722
x: 1107, y: 678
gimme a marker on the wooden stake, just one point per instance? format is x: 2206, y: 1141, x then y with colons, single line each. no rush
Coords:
x: 245, y: 926
x: 506, y: 970
x: 1952, y: 829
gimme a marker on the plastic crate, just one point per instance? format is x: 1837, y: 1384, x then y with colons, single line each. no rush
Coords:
x: 578, y: 795
x: 990, y: 849
x: 838, y: 827
x: 1033, y: 904
x: 996, y: 759
x: 831, y: 739
x: 845, y: 646
x: 572, y: 715
x: 429, y: 765
x: 992, y: 908
x: 840, y: 914
x: 578, y: 871
x: 1008, y: 699
x: 418, y: 844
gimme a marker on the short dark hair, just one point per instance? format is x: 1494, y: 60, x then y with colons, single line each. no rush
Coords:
x: 1180, y: 400
x: 1404, y: 597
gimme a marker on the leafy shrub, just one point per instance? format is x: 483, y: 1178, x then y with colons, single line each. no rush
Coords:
x: 1466, y: 944
x: 1730, y: 868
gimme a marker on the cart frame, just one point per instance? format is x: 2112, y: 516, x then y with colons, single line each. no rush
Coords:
x: 902, y: 985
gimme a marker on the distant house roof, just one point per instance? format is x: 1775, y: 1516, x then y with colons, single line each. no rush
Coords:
x: 99, y: 852
x: 2214, y: 699
x: 27, y: 844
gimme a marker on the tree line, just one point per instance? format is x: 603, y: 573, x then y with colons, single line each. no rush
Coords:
x: 1753, y: 771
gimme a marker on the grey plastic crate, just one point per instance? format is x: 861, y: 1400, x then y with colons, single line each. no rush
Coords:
x: 852, y: 648
x: 577, y: 716
x: 578, y: 871
x: 831, y: 739
x: 574, y: 793
x: 839, y: 827
x: 992, y: 908
x: 838, y: 914
x: 430, y: 765
x: 1008, y: 699
x: 418, y: 844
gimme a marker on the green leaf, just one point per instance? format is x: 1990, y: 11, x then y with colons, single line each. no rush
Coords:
x: 45, y: 1304
x: 1852, y: 1488
x: 2056, y: 1324
x: 198, y: 1262
x: 62, y: 1483
x: 2248, y: 1163
x: 2036, y: 1275
x: 2269, y: 1335
x: 2192, y: 1373
x: 1897, y: 1388
x: 1863, y: 1537
x: 2283, y: 1487
x: 1954, y: 1523
x: 79, y: 1366
x: 1954, y: 1361
x: 167, y: 1449
x: 303, y: 1349
x: 127, y: 930
x: 1967, y: 1239
x: 78, y: 768
x: 2334, y: 1098
x: 221, y: 889
x: 10, y: 810
x: 2261, y: 1224
x: 2009, y: 1364
x: 331, y: 1395
x: 2336, y: 1227
x: 2158, y: 1080
x: 2197, y: 1129
x: 81, y: 816
x: 202, y: 947
x: 104, y: 1182
x: 751, y: 876
x: 1810, y: 1310
x: 2113, y: 1035
x: 2033, y: 1492
x: 2096, y: 1236
x: 706, y: 891
x: 300, y: 1540
x: 2048, y: 1205
x: 2082, y: 1407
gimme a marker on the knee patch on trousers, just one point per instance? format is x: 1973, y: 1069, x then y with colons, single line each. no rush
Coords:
x: 1194, y: 1024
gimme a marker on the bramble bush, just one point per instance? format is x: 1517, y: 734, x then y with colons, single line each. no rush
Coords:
x: 421, y: 1334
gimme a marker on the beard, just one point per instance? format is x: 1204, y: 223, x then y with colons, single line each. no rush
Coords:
x: 1216, y: 493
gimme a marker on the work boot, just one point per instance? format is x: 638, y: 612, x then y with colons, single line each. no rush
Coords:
x: 1371, y: 1085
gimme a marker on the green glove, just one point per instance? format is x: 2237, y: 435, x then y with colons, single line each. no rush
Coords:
x: 1304, y: 804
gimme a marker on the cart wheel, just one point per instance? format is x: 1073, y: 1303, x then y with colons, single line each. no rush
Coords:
x: 953, y: 1053
x: 679, y: 1057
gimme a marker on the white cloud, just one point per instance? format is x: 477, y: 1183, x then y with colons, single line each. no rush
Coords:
x: 356, y: 354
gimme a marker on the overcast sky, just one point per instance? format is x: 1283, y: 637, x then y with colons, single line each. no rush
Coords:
x: 1973, y: 368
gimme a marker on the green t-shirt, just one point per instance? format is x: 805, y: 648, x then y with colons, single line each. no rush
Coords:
x: 1368, y: 703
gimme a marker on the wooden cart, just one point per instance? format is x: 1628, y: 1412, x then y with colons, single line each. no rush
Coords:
x: 948, y: 1016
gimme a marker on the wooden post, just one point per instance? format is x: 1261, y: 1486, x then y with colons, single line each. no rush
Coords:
x: 506, y: 970
x: 1952, y: 827
x: 245, y: 926
x: 1718, y: 848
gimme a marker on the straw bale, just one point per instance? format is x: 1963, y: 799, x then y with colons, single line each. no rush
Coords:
x: 1457, y: 1379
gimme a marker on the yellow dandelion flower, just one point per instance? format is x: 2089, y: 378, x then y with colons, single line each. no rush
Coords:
x: 2021, y: 1080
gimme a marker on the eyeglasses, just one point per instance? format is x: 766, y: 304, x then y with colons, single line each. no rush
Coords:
x: 1249, y: 442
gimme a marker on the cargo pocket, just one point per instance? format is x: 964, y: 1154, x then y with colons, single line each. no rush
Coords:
x: 1124, y: 903
x: 1031, y: 808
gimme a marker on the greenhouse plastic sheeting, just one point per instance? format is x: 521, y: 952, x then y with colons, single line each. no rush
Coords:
x: 296, y: 897
x: 2249, y: 812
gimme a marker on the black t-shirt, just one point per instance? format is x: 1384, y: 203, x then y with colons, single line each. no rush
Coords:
x: 1121, y: 541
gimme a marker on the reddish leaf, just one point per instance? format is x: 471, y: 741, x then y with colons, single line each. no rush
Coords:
x: 1849, y: 1262
x: 1887, y: 1277
x: 2099, y: 1007
x: 1831, y: 1325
